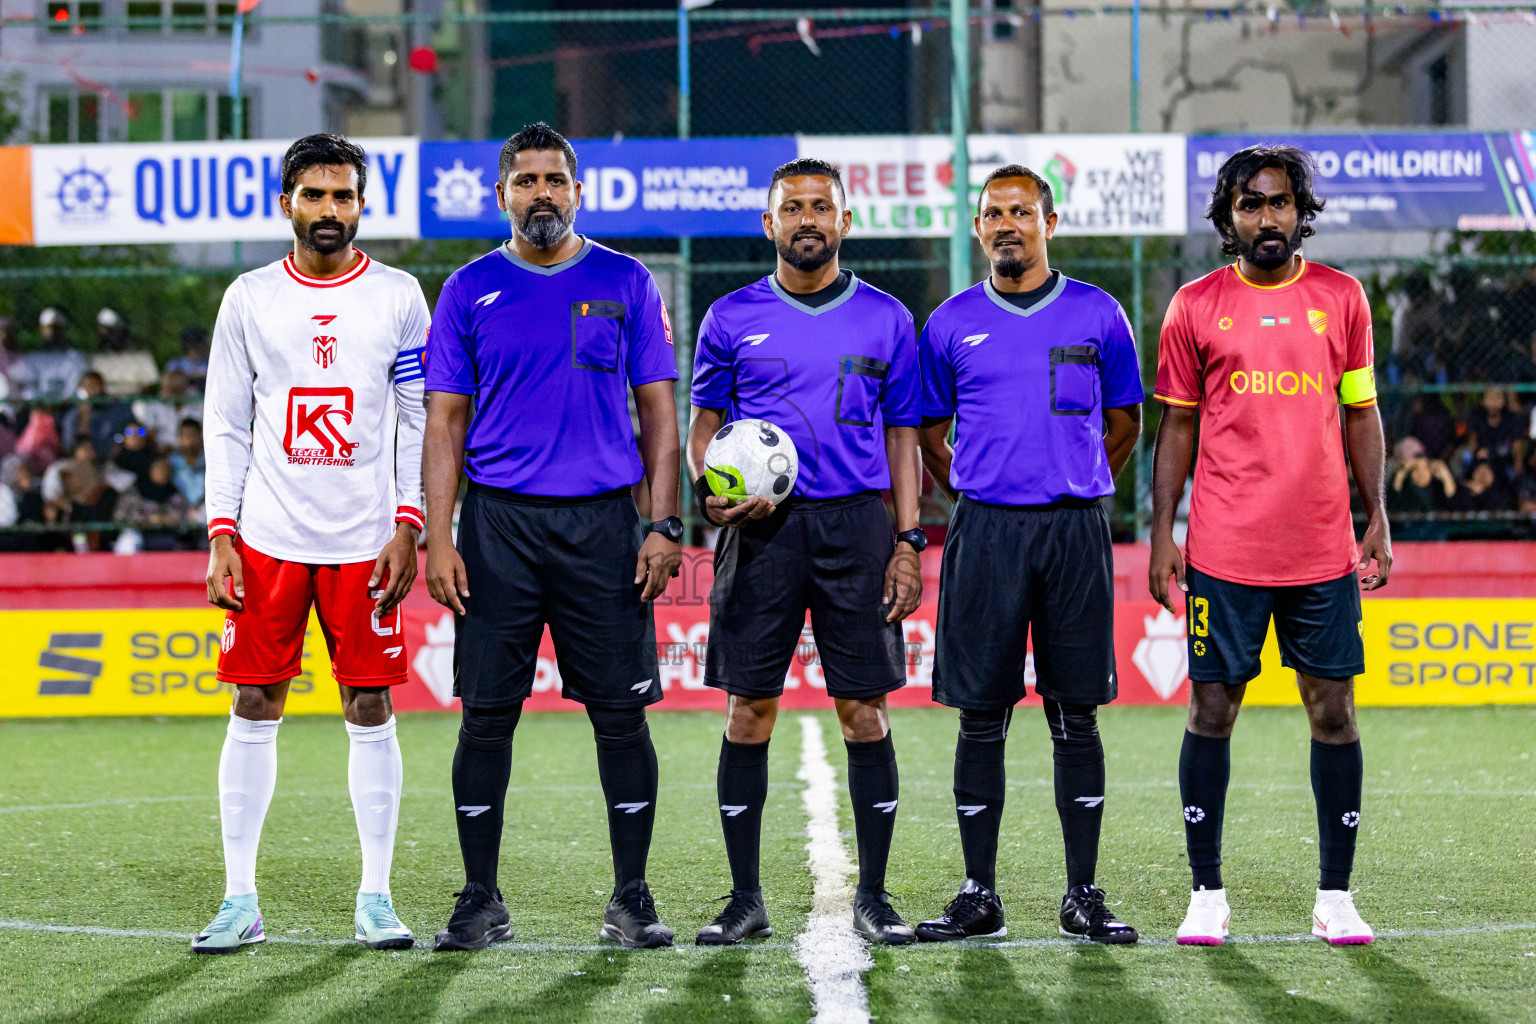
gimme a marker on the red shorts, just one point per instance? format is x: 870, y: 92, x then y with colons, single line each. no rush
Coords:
x: 264, y: 644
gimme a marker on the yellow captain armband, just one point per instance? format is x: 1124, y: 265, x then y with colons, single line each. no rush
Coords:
x: 1358, y: 387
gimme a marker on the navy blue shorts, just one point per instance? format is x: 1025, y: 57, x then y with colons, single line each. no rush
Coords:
x: 1318, y: 627
x: 824, y: 555
x: 568, y: 563
x: 1010, y: 571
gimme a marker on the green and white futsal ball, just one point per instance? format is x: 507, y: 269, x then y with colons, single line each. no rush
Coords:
x: 751, y: 459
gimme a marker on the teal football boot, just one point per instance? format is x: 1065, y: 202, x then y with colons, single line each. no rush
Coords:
x: 238, y: 923
x: 377, y: 924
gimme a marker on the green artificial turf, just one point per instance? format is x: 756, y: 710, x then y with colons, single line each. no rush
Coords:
x: 112, y: 824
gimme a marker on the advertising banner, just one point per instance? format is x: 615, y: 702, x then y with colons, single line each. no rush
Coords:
x: 198, y: 192
x: 162, y: 662
x: 1469, y: 181
x: 902, y: 186
x: 631, y: 188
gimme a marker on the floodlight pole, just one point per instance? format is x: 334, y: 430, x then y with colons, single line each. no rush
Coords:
x: 960, y: 163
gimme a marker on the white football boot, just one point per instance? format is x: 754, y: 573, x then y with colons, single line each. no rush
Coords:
x: 1207, y: 921
x: 1335, y: 918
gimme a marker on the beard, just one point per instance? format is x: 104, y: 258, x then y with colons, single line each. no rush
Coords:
x: 1272, y: 260
x: 813, y: 259
x: 1010, y: 262
x: 327, y: 245
x: 545, y: 232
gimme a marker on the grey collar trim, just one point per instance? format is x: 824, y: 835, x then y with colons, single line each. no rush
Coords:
x: 789, y: 298
x: 517, y: 261
x: 1002, y: 303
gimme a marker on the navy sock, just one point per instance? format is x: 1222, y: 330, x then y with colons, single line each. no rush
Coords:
x: 1205, y: 766
x: 742, y: 786
x: 874, y: 786
x: 1338, y: 772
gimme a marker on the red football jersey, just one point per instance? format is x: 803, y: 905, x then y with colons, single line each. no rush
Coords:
x: 1268, y: 367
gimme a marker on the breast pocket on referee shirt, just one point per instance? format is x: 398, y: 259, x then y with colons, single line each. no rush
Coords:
x: 595, y: 329
x: 1074, y: 379
x: 859, y: 383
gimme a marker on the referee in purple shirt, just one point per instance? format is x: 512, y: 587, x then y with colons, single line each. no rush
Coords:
x: 533, y: 352
x: 1038, y: 375
x: 831, y: 361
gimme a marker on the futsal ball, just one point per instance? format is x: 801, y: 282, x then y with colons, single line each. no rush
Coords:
x: 751, y: 459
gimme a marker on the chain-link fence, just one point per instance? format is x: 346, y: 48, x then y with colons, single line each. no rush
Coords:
x: 1455, y: 314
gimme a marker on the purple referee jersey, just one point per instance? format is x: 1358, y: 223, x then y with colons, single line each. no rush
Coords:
x: 1028, y: 390
x: 832, y: 377
x: 549, y: 354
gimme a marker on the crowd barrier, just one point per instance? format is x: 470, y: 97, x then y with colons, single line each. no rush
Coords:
x: 134, y: 635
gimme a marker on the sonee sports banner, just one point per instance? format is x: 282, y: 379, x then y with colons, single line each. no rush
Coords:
x: 163, y: 661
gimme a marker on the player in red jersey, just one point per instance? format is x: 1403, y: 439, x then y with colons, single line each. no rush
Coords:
x: 1263, y: 353
x: 314, y: 418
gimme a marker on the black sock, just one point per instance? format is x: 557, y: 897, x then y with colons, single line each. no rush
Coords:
x: 874, y: 787
x: 1205, y: 765
x: 481, y: 766
x: 742, y: 786
x: 1079, y: 756
x: 981, y: 783
x: 1338, y: 770
x: 626, y: 765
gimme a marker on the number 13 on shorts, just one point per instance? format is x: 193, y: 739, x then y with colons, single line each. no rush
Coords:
x: 1199, y: 617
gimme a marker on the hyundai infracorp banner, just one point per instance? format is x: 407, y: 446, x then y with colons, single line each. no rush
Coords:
x: 634, y: 188
x: 198, y: 192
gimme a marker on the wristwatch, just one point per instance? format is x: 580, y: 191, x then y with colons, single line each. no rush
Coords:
x: 917, y: 538
x: 670, y: 528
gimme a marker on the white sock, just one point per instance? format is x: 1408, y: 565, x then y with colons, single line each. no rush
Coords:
x: 374, y: 775
x: 247, y: 776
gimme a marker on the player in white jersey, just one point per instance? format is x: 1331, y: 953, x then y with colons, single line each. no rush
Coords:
x: 313, y: 422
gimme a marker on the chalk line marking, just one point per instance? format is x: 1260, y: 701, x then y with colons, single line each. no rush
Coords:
x: 833, y: 957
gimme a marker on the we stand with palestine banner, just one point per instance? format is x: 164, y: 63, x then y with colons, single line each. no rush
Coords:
x: 899, y: 186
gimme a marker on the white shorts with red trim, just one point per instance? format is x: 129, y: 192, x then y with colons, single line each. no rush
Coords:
x: 264, y: 643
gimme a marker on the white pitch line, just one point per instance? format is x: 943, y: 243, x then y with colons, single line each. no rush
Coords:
x: 833, y: 957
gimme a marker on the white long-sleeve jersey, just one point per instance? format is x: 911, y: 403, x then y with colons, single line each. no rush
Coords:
x: 314, y: 412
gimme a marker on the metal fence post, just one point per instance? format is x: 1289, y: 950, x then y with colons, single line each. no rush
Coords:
x: 960, y: 119
x: 683, y: 315
x: 1138, y: 270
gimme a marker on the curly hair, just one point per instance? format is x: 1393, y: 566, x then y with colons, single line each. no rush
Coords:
x: 1240, y: 168
x: 323, y: 150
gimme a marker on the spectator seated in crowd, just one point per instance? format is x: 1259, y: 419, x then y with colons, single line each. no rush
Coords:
x: 127, y: 371
x: 186, y: 462
x: 153, y: 501
x: 52, y: 373
x: 163, y: 414
x: 92, y: 417
x: 77, y: 487
x: 1419, y: 483
x: 193, y: 360
x: 1484, y: 491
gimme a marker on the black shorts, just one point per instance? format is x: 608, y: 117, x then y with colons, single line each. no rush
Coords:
x: 1318, y: 626
x: 1009, y: 570
x: 827, y: 556
x: 565, y: 562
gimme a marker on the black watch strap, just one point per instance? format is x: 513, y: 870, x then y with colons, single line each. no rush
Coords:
x: 915, y: 537
x: 670, y: 528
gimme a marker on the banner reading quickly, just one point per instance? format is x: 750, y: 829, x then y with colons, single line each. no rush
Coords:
x: 198, y: 192
x: 162, y: 662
